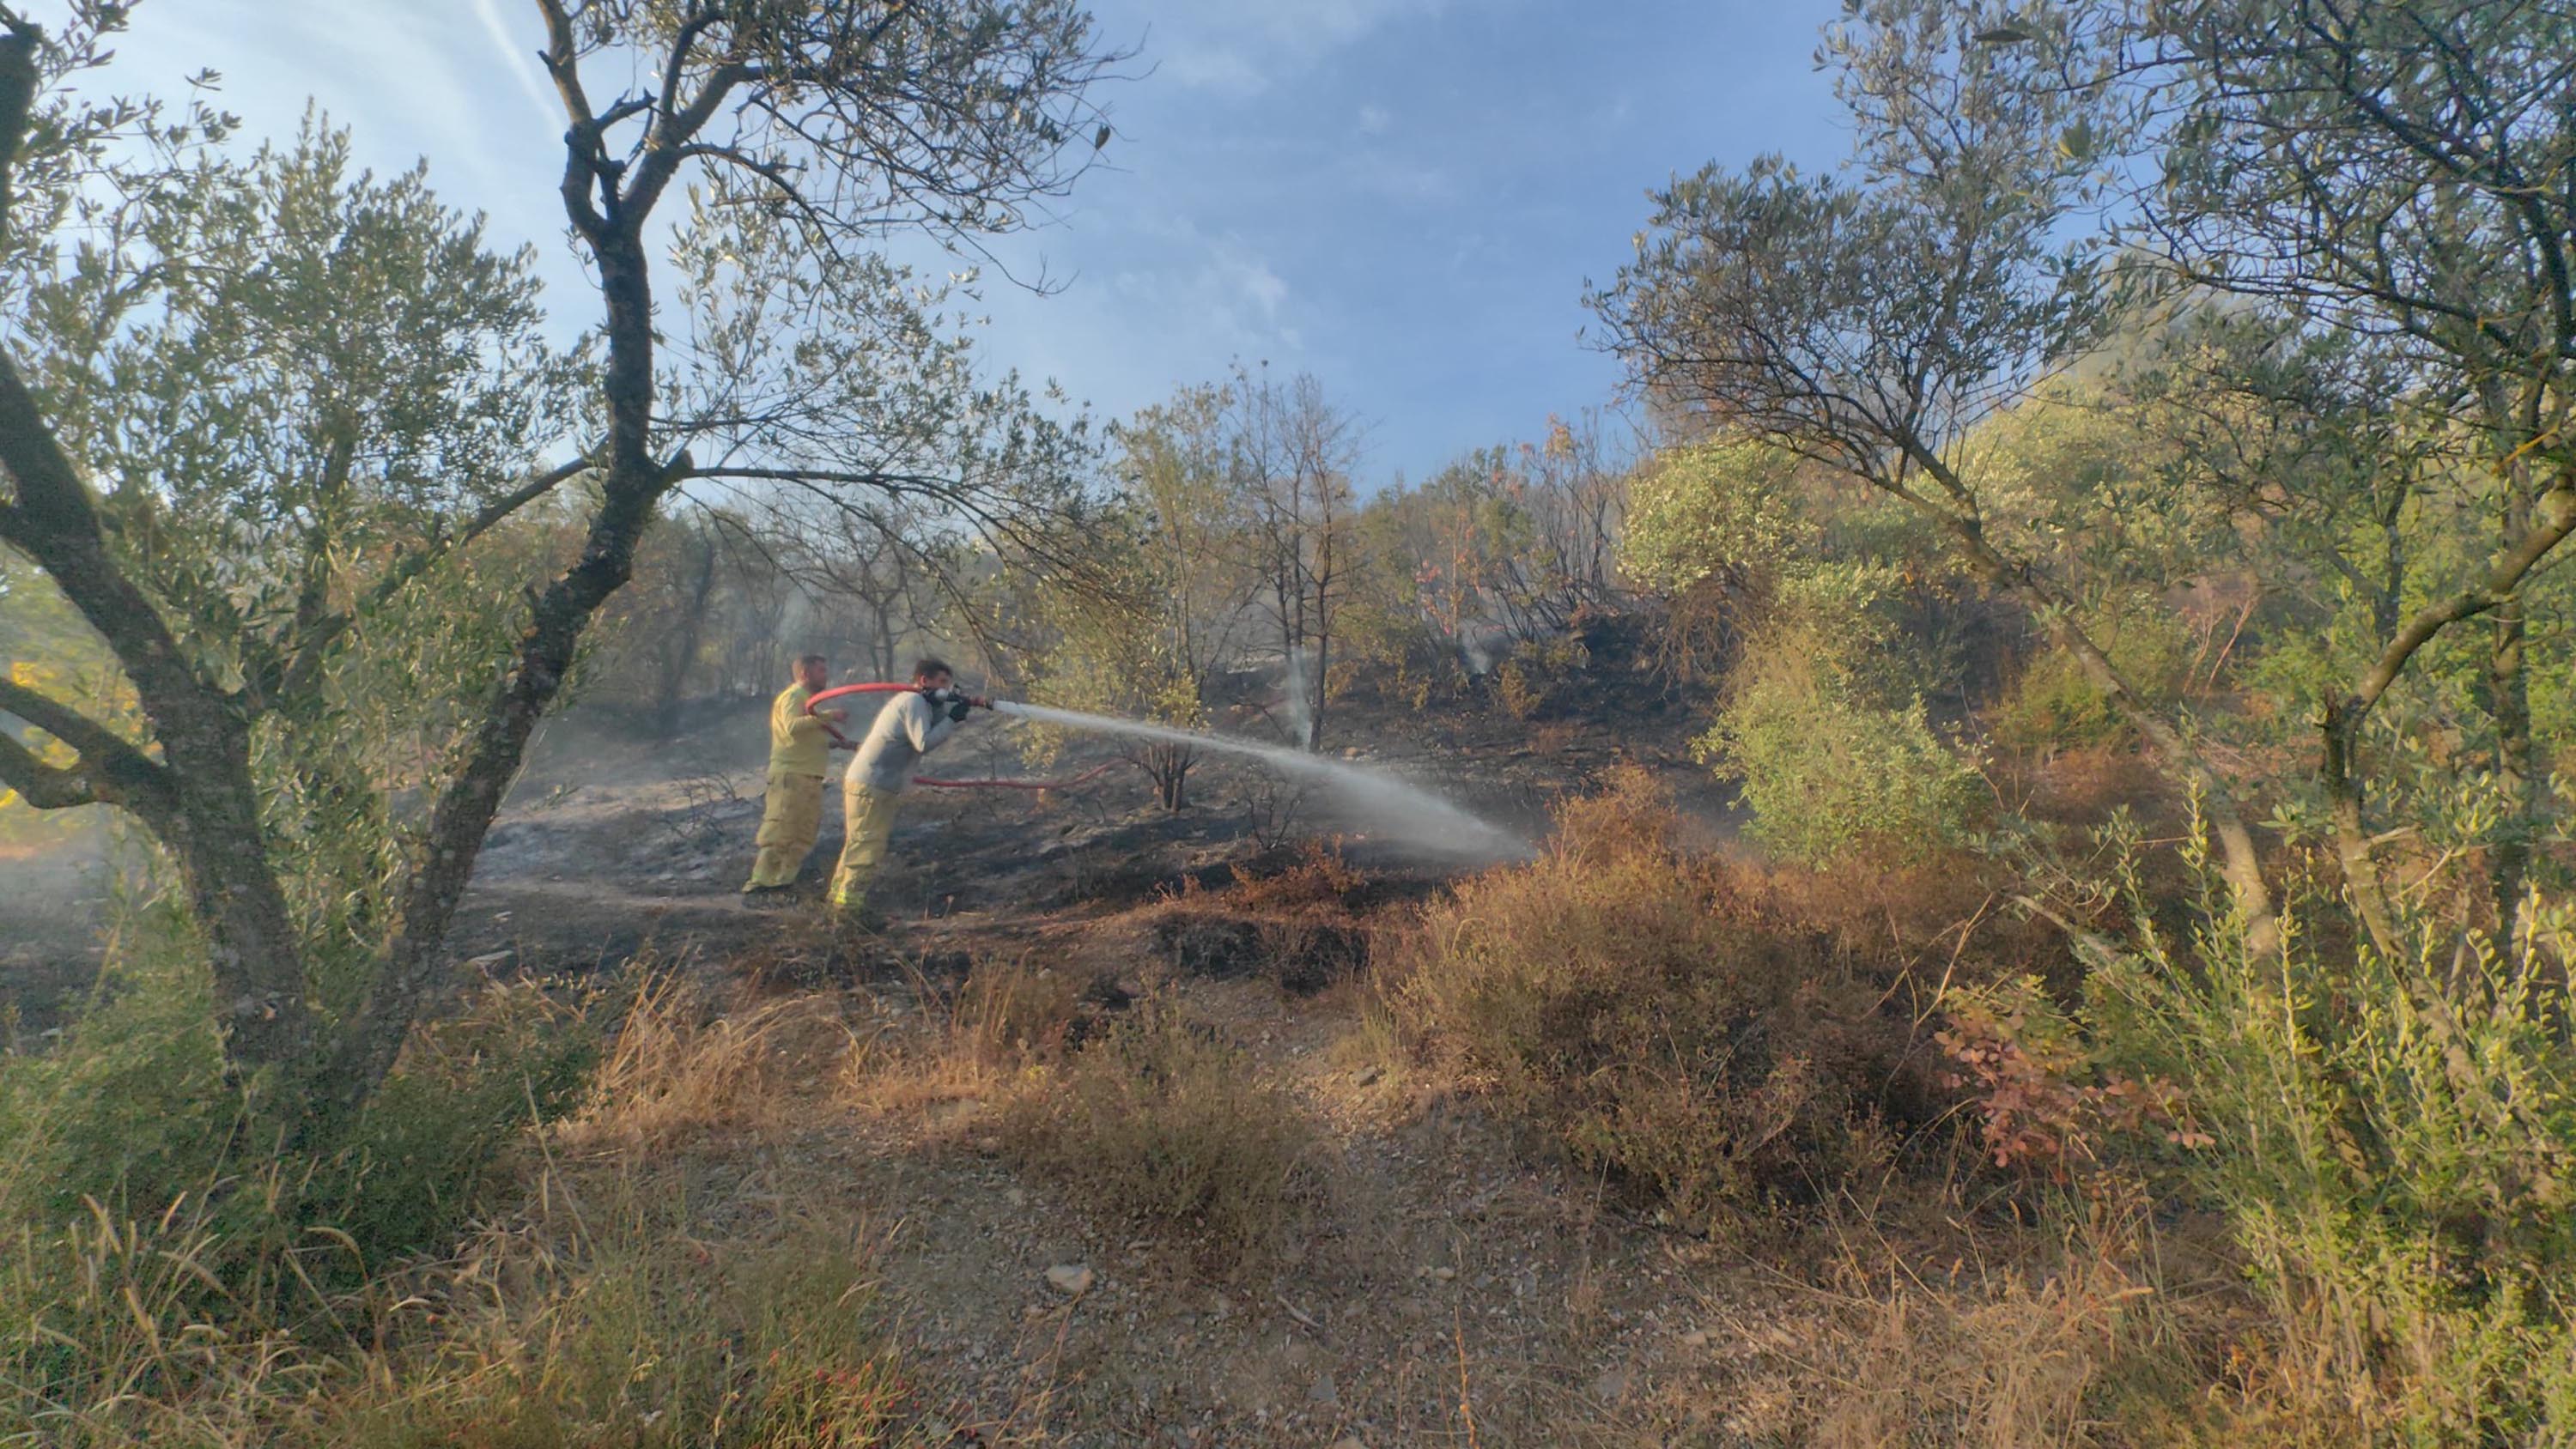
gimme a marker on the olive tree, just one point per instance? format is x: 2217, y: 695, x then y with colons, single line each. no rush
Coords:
x: 1868, y: 322
x: 2394, y: 175
x: 799, y: 135
x: 1181, y: 538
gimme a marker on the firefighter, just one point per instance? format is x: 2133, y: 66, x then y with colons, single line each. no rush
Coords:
x: 799, y: 752
x: 910, y: 726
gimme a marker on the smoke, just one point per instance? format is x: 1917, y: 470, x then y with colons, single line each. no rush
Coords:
x: 1301, y: 708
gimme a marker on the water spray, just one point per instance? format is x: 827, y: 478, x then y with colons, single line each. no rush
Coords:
x: 1395, y: 806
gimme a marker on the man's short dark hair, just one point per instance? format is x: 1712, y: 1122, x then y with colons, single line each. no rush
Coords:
x: 810, y: 660
x: 930, y: 664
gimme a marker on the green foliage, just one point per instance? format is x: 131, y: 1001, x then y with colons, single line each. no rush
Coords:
x: 131, y: 1107
x: 1827, y: 755
x: 2055, y: 703
x: 132, y: 1112
x: 291, y: 386
x: 432, y: 1145
x: 1726, y: 511
x: 2389, y: 1139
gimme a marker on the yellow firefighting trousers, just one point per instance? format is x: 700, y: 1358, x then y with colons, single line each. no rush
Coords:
x: 869, y: 816
x: 790, y: 819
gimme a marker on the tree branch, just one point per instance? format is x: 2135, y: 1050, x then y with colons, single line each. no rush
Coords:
x: 42, y: 786
x: 315, y: 638
x: 110, y: 769
x: 18, y: 81
x: 2558, y: 520
x: 582, y: 153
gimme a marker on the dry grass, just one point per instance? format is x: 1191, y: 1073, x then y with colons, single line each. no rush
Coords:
x: 679, y: 1065
x: 2018, y: 1366
x: 601, y: 1314
x: 1163, y: 1122
x: 607, y: 1316
x: 592, y: 1306
x: 968, y: 1045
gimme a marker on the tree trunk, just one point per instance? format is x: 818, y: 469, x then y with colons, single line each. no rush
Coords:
x: 224, y: 863
x: 671, y: 690
x: 200, y: 800
x: 2508, y: 700
x: 633, y: 484
x: 2338, y: 731
x: 2517, y: 777
x: 1168, y: 766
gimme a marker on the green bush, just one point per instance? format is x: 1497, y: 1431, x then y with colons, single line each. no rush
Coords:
x: 439, y: 1136
x: 2054, y: 704
x: 1825, y: 764
x: 155, y: 1228
x: 2391, y: 1140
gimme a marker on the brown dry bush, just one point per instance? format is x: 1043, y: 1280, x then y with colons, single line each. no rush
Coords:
x: 1318, y: 876
x: 681, y: 1065
x: 1658, y: 1018
x: 1007, y: 1014
x: 1301, y: 925
x: 1166, y: 1123
x: 2027, y: 1362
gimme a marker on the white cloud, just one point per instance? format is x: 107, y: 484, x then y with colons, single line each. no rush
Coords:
x: 1212, y: 68
x: 1215, y: 297
x: 1214, y: 43
x: 522, y: 69
x: 1374, y: 119
x: 1258, y: 282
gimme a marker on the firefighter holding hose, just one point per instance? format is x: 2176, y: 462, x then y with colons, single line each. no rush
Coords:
x: 911, y: 725
x: 800, y: 741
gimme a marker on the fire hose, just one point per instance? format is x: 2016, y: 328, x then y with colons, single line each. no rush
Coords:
x: 845, y: 742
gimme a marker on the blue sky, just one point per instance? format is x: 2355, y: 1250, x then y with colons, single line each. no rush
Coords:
x: 1403, y: 197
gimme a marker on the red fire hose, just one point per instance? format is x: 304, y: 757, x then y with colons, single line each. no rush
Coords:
x: 838, y: 690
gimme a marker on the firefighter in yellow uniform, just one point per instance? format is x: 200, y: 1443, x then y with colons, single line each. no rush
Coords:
x: 799, y: 757
x: 910, y: 726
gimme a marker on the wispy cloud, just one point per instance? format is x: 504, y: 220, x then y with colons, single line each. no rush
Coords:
x: 1212, y: 68
x: 522, y: 69
x: 1243, y: 46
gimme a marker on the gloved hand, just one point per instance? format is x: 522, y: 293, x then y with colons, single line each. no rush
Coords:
x: 957, y: 711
